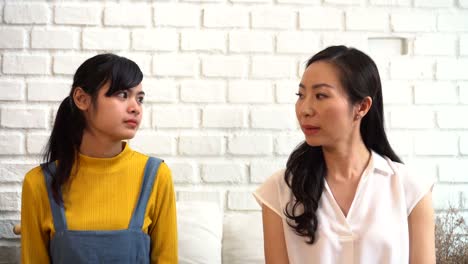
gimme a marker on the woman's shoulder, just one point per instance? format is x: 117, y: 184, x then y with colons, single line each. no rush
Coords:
x: 414, y: 183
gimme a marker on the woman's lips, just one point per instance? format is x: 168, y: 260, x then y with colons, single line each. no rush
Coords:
x: 310, y: 130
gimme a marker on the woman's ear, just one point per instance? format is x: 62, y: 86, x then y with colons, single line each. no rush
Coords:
x: 363, y: 107
x: 81, y: 98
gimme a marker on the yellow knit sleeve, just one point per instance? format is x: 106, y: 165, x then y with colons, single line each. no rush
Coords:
x: 34, y: 205
x: 163, y: 230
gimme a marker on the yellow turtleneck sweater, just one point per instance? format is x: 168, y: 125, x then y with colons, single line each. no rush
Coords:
x: 101, y: 196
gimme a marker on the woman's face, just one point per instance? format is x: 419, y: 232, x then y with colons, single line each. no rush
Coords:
x: 323, y: 108
x: 118, y: 116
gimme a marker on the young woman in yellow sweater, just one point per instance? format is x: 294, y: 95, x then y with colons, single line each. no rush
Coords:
x: 95, y: 200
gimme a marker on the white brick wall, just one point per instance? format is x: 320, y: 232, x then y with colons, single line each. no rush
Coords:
x: 25, y: 64
x: 24, y: 117
x: 273, y: 18
x: 203, y: 91
x: 410, y: 21
x: 224, y: 117
x: 435, y: 93
x: 223, y: 173
x: 321, y: 18
x: 250, y: 92
x: 203, y: 41
x: 155, y: 39
x: 26, y: 13
x: 412, y: 117
x: 220, y: 79
x: 452, y: 69
x: 365, y: 19
x: 252, y: 144
x: 450, y: 21
x: 12, y: 90
x: 246, y: 41
x: 175, y: 116
x: 187, y: 15
x: 224, y: 66
x: 225, y: 17
x: 78, y: 14
x: 67, y: 64
x: 207, y: 145
x: 282, y: 118
x: 127, y: 15
x: 12, y: 38
x: 175, y: 65
x: 431, y: 44
x: 105, y: 39
x: 48, y: 89
x: 54, y: 39
x: 294, y: 42
x: 160, y: 90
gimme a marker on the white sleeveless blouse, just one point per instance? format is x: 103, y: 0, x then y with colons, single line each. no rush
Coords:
x: 376, y: 227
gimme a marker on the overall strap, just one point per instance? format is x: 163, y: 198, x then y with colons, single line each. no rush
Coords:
x: 58, y: 212
x: 151, y: 168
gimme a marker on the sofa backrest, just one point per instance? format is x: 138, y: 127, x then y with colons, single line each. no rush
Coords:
x: 208, y: 236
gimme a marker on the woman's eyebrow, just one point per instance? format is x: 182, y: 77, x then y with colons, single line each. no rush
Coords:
x: 318, y: 85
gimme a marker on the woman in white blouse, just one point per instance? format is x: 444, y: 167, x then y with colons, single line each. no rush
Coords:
x: 345, y: 196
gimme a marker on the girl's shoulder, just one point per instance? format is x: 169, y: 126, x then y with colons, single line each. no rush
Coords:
x: 34, y: 183
x: 34, y: 176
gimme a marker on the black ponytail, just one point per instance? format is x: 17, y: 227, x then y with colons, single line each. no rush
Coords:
x: 306, y: 169
x: 67, y: 132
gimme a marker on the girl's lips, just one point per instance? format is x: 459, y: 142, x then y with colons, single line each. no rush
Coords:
x: 132, y: 123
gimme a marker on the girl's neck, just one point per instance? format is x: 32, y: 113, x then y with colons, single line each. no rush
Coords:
x: 346, y: 162
x: 93, y: 146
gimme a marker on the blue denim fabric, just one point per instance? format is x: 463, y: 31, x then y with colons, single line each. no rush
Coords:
x: 130, y: 245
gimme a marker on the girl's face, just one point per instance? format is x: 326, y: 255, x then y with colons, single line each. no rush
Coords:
x: 323, y: 108
x: 116, y: 117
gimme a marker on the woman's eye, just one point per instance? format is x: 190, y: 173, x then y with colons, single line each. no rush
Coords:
x: 300, y: 95
x: 320, y: 96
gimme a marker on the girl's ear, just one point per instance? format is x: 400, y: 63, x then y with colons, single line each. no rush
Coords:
x: 82, y: 99
x: 363, y: 107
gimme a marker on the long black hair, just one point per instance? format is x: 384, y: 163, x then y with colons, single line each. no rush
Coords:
x: 65, y: 139
x: 306, y: 168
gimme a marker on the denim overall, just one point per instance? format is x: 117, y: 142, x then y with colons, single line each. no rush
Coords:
x: 130, y: 245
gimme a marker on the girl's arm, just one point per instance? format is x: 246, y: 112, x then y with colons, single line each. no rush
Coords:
x: 164, y: 230
x: 421, y: 232
x: 34, y: 240
x: 273, y: 237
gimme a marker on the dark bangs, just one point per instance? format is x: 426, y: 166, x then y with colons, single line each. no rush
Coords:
x: 124, y: 74
x: 120, y: 72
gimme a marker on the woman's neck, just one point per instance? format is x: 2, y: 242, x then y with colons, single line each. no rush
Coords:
x: 346, y: 162
x: 96, y: 147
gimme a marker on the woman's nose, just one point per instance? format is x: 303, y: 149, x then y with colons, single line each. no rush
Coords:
x: 306, y: 109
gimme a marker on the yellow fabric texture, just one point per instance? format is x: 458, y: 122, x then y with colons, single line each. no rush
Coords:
x: 101, y: 196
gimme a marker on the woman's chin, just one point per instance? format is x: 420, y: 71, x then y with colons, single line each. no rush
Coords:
x: 313, y: 143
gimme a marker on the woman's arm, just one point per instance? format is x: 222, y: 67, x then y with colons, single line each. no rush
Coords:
x: 421, y: 232
x: 273, y: 237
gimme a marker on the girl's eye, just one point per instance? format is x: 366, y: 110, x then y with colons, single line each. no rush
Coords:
x: 140, y: 99
x: 122, y: 94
